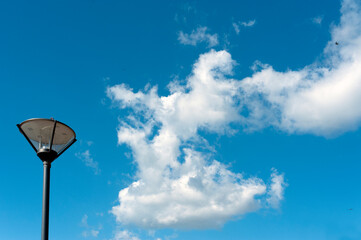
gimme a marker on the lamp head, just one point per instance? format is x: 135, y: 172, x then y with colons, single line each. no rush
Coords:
x: 48, y: 137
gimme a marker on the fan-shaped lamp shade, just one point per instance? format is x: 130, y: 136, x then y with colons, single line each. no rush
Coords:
x: 49, y: 138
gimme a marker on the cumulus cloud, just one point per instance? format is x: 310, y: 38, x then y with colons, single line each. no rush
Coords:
x: 197, y: 36
x: 180, y: 186
x: 88, y: 160
x: 322, y: 98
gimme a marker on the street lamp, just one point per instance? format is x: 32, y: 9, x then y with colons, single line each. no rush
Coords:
x: 49, y: 138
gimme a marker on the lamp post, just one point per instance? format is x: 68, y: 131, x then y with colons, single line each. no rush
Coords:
x: 49, y: 138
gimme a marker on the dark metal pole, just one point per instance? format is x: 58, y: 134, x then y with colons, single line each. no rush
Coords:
x: 46, y: 188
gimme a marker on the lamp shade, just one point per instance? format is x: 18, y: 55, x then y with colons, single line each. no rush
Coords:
x: 47, y: 136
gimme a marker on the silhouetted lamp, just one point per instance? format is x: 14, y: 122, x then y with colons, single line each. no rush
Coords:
x: 49, y: 138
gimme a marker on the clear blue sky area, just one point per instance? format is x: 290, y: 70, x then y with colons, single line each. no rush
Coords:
x: 252, y: 133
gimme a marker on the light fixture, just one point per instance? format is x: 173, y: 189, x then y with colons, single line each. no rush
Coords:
x: 49, y: 138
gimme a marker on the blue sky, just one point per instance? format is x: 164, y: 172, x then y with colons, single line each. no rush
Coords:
x: 194, y: 120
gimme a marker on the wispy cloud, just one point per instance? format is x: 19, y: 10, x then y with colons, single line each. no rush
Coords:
x: 237, y: 25
x: 89, y: 231
x: 250, y: 23
x: 88, y: 160
x: 276, y: 190
x: 125, y: 235
x: 197, y: 36
x: 317, y: 20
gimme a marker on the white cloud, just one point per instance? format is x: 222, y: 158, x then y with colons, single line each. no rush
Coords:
x: 84, y: 221
x: 125, y: 235
x: 89, y: 232
x: 197, y: 36
x: 317, y: 20
x: 179, y: 186
x: 237, y: 25
x: 276, y: 191
x: 321, y: 99
x: 236, y: 28
x: 88, y: 161
x: 250, y: 23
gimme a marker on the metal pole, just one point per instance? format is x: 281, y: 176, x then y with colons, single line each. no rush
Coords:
x: 46, y: 188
